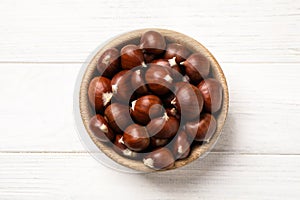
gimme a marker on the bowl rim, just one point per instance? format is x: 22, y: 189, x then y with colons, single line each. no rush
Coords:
x: 83, y: 103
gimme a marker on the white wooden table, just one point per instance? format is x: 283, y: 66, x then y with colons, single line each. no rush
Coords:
x: 43, y: 44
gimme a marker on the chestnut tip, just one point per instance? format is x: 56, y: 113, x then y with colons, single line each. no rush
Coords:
x: 149, y: 162
x: 172, y: 61
x: 133, y: 105
x: 103, y: 128
x: 106, y: 97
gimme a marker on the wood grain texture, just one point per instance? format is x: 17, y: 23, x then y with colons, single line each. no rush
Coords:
x: 67, y: 31
x: 43, y: 44
x: 218, y: 176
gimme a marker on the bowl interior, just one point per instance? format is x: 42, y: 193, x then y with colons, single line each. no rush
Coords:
x: 133, y: 38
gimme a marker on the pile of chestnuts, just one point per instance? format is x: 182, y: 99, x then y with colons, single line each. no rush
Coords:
x: 154, y: 101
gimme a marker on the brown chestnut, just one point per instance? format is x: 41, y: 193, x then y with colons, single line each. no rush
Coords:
x: 197, y: 67
x: 163, y: 127
x: 145, y: 108
x: 211, y: 90
x: 172, y: 65
x: 203, y: 129
x: 158, y: 142
x: 169, y: 98
x: 149, y: 57
x: 121, y: 86
x: 173, y: 112
x: 186, y: 79
x: 153, y: 42
x: 136, y: 137
x: 132, y: 56
x: 159, y: 79
x: 138, y: 82
x: 109, y: 62
x: 159, y: 159
x: 99, y: 93
x: 179, y: 85
x: 118, y: 117
x: 181, y: 146
x: 178, y: 51
x: 188, y: 101
x: 121, y: 149
x: 101, y: 129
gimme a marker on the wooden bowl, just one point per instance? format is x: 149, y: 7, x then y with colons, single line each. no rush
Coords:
x: 133, y: 37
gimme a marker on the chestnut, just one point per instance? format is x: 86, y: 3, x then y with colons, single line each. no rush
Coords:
x: 121, y: 86
x: 178, y: 51
x: 99, y: 93
x: 163, y: 127
x: 179, y: 85
x: 121, y: 149
x: 153, y: 42
x: 159, y: 79
x: 101, y: 129
x: 159, y: 159
x: 188, y: 101
x: 132, y: 56
x: 118, y: 117
x: 167, y: 99
x: 138, y: 82
x: 158, y: 142
x: 211, y: 90
x: 173, y: 112
x: 149, y: 57
x: 197, y: 67
x: 181, y: 146
x: 186, y: 79
x: 172, y: 65
x: 136, y: 137
x: 108, y: 63
x: 145, y: 108
x: 203, y: 129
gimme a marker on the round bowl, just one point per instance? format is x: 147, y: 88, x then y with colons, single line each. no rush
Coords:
x: 133, y: 37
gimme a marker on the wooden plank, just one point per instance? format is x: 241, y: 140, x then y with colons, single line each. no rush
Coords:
x: 218, y: 176
x: 68, y: 31
x: 36, y: 108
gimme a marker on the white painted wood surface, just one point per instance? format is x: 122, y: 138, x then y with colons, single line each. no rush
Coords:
x: 43, y: 45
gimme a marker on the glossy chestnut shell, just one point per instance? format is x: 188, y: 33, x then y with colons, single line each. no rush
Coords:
x: 138, y: 82
x: 174, y: 69
x: 159, y: 79
x: 99, y: 93
x: 196, y: 67
x: 118, y: 117
x: 158, y: 142
x: 178, y: 51
x: 131, y: 56
x: 153, y: 42
x: 188, y: 101
x: 159, y: 159
x: 211, y: 90
x: 181, y: 146
x: 109, y: 62
x: 101, y: 129
x: 145, y: 108
x: 136, y: 137
x: 121, y: 86
x: 122, y: 149
x: 163, y: 127
x: 203, y: 129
